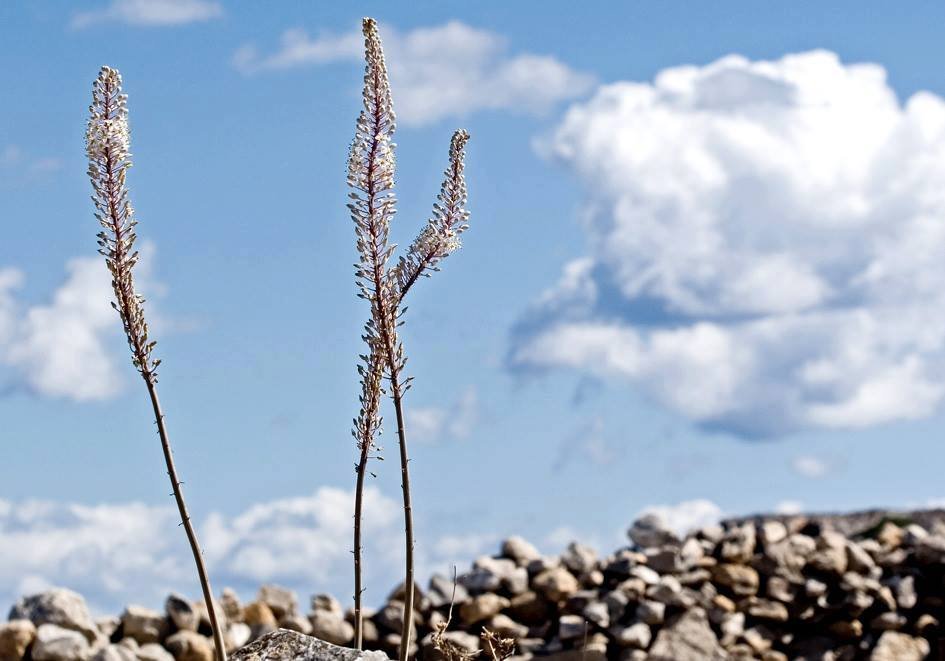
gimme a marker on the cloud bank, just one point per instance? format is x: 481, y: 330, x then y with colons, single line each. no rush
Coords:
x: 437, y: 72
x: 125, y: 553
x: 765, y: 243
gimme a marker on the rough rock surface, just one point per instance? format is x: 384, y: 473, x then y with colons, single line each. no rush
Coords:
x: 59, y: 606
x: 286, y: 645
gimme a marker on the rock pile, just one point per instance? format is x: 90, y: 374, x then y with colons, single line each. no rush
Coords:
x: 764, y: 588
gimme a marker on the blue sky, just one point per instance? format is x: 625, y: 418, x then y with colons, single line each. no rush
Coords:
x: 708, y: 285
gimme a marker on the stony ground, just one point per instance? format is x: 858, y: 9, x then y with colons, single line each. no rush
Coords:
x: 863, y: 586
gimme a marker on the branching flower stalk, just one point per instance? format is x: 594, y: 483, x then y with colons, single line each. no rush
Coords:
x: 108, y: 149
x: 371, y: 176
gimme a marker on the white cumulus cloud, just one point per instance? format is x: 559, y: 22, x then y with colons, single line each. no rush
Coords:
x: 58, y: 349
x: 70, y: 346
x: 150, y: 13
x: 687, y: 515
x: 447, y: 70
x: 765, y: 245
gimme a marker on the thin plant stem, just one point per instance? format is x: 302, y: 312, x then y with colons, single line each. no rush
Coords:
x: 358, y: 590
x: 397, y: 396
x: 219, y: 645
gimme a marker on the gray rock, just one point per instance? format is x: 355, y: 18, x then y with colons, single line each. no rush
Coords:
x: 858, y: 559
x: 332, y: 628
x: 56, y: 643
x: 831, y: 553
x: 791, y: 553
x: 637, y: 636
x: 391, y: 617
x: 765, y: 609
x: 520, y: 550
x: 107, y: 626
x: 143, y: 624
x: 815, y: 588
x: 190, y: 646
x: 687, y: 638
x: 690, y: 553
x: 296, y: 622
x: 154, y: 652
x: 738, y: 545
x: 283, y: 645
x: 741, y: 580
x: 651, y: 612
x: 516, y: 582
x: 579, y: 558
x: 237, y: 635
x: 904, y: 588
x: 230, y: 603
x: 616, y: 602
x: 665, y: 560
x: 888, y: 621
x: 571, y: 627
x: 732, y: 627
x: 650, y: 531
x: 115, y: 653
x: 781, y: 589
x: 482, y: 607
x: 644, y: 573
x: 281, y: 601
x: 555, y: 584
x: 667, y: 591
x: 505, y: 626
x: 203, y: 615
x: 479, y: 581
x: 181, y: 612
x: 931, y: 549
x: 441, y: 592
x: 59, y: 606
x: 772, y: 532
x: 15, y: 637
x: 544, y: 563
x: 597, y: 613
x: 893, y: 646
x: 326, y: 602
x: 759, y: 639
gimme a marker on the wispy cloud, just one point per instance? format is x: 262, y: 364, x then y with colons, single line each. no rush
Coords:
x: 18, y: 165
x: 765, y: 246
x: 431, y: 424
x: 587, y: 443
x: 789, y: 507
x: 150, y: 13
x: 810, y: 466
x: 448, y: 70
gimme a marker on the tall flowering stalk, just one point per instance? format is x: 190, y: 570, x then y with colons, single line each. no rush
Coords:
x: 108, y: 148
x: 371, y: 166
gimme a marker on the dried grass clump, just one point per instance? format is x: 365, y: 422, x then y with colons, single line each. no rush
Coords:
x: 499, y: 648
x: 108, y: 143
x: 371, y: 166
